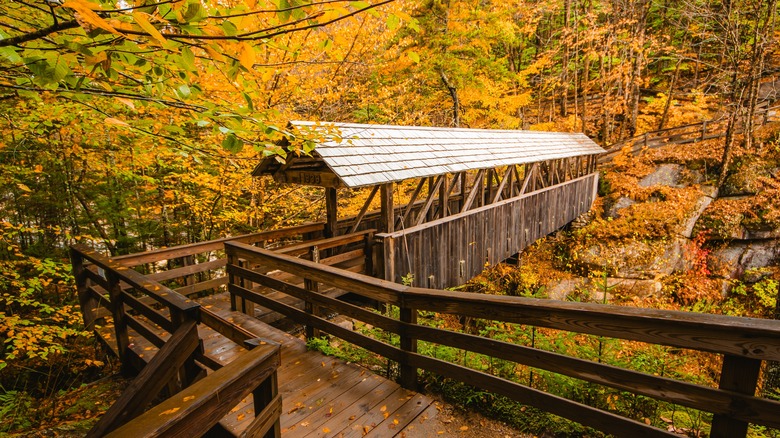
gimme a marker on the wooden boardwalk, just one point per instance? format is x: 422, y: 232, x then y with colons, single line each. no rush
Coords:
x: 321, y: 396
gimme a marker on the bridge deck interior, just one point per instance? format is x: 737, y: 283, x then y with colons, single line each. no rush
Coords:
x: 321, y: 396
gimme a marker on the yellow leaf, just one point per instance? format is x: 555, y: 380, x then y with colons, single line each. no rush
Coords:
x: 246, y: 55
x: 325, y: 430
x: 188, y: 398
x: 127, y: 102
x: 464, y: 428
x: 114, y: 121
x: 23, y: 187
x: 86, y: 15
x: 383, y: 408
x: 169, y: 411
x: 216, y: 56
x: 141, y: 21
x: 240, y: 417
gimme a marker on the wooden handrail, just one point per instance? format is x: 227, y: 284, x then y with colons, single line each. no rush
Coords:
x: 699, y: 128
x: 160, y: 293
x: 743, y: 342
x: 212, y: 245
x: 198, y: 408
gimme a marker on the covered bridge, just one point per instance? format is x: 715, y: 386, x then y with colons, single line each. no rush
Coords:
x: 474, y: 197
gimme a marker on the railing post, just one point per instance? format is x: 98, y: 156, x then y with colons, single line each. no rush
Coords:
x: 245, y: 306
x: 231, y: 259
x: 190, y: 372
x: 739, y: 374
x: 368, y: 253
x: 120, y: 322
x: 408, y: 373
x: 312, y: 286
x: 86, y: 300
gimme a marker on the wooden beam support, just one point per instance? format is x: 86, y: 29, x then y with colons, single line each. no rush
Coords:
x: 424, y: 212
x: 529, y: 174
x: 444, y: 198
x: 387, y: 218
x: 500, y: 190
x: 412, y: 200
x: 474, y: 189
x: 331, y: 209
x: 363, y: 210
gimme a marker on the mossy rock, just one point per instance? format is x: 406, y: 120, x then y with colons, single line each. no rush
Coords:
x: 635, y: 259
x: 744, y: 174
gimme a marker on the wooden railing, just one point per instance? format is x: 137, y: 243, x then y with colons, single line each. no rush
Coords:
x: 743, y: 342
x: 198, y: 267
x: 196, y: 410
x: 349, y: 253
x: 133, y: 301
x: 691, y: 133
x: 449, y: 251
x: 168, y: 321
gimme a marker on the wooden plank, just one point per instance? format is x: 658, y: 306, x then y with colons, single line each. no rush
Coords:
x: 187, y: 270
x: 387, y: 218
x: 226, y: 328
x: 357, y: 407
x: 358, y: 254
x: 323, y: 244
x: 147, y: 311
x: 406, y: 213
x: 401, y: 417
x: 422, y: 216
x: 475, y: 189
x: 192, y: 289
x: 145, y: 331
x: 388, y: 402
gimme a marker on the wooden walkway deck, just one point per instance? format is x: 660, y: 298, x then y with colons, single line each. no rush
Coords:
x: 321, y: 396
x: 326, y: 397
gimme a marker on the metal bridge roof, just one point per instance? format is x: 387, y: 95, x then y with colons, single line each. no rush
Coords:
x: 365, y: 155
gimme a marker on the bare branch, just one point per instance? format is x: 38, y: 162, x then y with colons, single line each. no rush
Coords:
x: 40, y: 33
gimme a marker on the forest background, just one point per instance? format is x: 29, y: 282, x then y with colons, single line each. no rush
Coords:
x: 134, y: 125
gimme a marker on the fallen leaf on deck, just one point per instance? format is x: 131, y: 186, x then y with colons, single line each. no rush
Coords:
x: 240, y: 417
x: 325, y: 430
x: 188, y: 398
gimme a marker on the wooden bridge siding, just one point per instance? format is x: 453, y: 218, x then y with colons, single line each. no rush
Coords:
x: 434, y: 252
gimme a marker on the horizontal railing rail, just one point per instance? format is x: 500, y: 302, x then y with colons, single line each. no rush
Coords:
x: 743, y: 343
x: 690, y: 133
